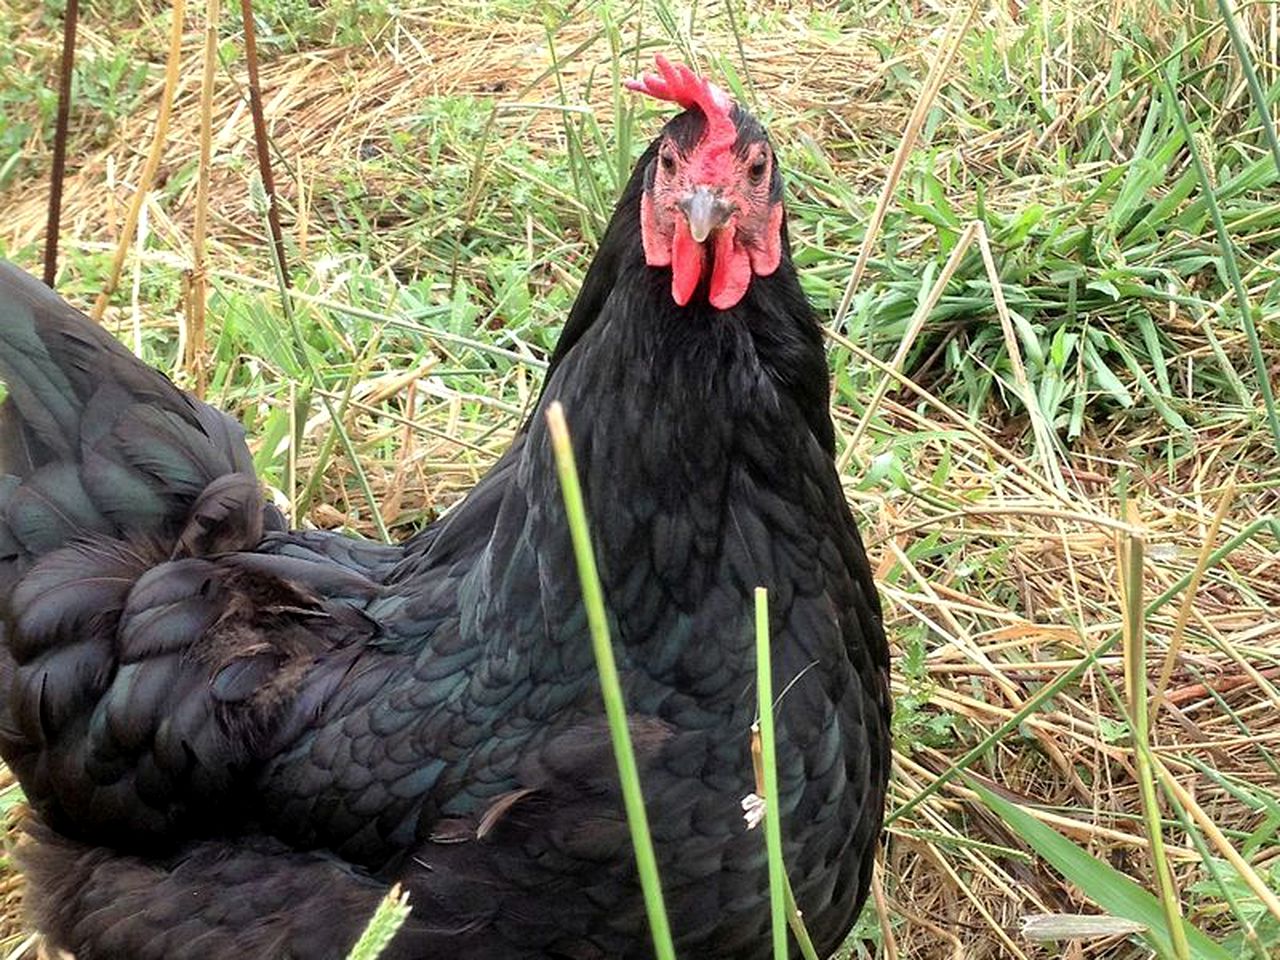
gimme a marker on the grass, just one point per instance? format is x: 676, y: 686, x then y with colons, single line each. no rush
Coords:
x: 610, y: 684
x: 386, y: 921
x: 446, y: 171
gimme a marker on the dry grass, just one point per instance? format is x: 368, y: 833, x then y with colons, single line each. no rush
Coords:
x: 999, y: 558
x: 326, y: 104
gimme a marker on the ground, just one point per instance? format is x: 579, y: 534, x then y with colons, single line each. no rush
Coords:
x: 1068, y: 489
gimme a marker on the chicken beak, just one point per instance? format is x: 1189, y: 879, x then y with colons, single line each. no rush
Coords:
x: 705, y: 211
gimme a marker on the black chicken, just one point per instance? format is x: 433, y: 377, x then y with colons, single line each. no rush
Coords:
x: 236, y: 737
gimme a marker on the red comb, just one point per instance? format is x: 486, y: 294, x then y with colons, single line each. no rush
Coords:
x: 679, y: 84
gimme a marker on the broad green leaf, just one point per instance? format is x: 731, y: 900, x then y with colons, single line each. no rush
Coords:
x: 1098, y: 880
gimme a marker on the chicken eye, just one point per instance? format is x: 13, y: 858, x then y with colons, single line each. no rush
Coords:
x: 758, y: 167
x: 668, y: 161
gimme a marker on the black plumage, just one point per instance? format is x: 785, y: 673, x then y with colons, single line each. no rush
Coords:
x: 236, y: 736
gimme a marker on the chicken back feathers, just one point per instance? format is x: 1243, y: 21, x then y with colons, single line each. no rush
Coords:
x: 236, y: 736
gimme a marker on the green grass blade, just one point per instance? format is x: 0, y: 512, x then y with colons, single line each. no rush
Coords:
x: 611, y: 687
x: 314, y: 483
x: 386, y: 921
x: 1108, y: 887
x: 261, y: 203
x: 1251, y: 78
x: 1229, y: 264
x: 766, y: 772
x: 769, y: 763
x: 798, y: 929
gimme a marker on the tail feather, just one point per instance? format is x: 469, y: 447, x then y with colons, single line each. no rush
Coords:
x: 151, y: 657
x: 55, y: 360
x: 68, y: 591
x: 114, y: 488
x: 52, y: 506
x: 99, y: 442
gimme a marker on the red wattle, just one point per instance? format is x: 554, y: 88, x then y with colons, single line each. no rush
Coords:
x: 731, y: 274
x: 687, y: 260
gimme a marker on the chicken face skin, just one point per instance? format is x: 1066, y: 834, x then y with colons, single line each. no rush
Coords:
x: 712, y: 203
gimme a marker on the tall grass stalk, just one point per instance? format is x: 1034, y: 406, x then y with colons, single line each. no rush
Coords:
x: 261, y: 145
x: 1135, y: 661
x: 1179, y: 633
x: 53, y: 223
x: 766, y: 774
x: 769, y: 765
x: 172, y: 62
x: 194, y: 346
x: 1251, y: 78
x: 610, y: 685
x: 1266, y: 896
